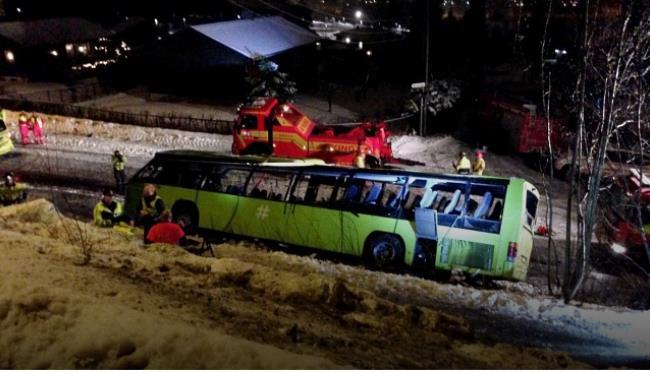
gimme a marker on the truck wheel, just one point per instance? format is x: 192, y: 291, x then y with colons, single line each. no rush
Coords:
x: 257, y: 149
x: 384, y: 251
x: 372, y: 162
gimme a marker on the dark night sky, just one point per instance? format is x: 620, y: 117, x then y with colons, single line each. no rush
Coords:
x: 109, y: 8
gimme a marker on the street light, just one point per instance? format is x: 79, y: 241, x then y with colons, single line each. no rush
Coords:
x: 358, y: 14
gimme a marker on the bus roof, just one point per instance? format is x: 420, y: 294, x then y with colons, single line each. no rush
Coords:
x: 243, y: 159
x: 318, y: 165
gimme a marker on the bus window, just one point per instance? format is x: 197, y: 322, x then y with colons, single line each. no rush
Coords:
x: 214, y: 180
x: 234, y: 181
x: 470, y: 206
x: 269, y: 185
x: 150, y: 172
x: 531, y: 208
x: 372, y: 194
x: 192, y: 175
x: 315, y: 189
x: 157, y: 172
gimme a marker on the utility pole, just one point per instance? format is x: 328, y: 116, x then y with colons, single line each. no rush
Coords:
x: 425, y: 96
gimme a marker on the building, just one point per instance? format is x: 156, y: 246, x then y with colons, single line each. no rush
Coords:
x: 53, y: 47
x: 217, y: 53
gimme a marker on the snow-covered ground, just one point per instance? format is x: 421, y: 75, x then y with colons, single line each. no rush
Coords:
x: 76, y: 296
x: 523, y: 316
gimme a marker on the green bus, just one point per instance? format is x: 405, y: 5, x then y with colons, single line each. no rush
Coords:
x: 478, y: 225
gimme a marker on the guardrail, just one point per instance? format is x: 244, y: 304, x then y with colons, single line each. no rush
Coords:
x: 139, y: 119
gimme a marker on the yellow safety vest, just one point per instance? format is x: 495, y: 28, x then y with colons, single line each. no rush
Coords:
x: 12, y: 193
x: 101, y: 208
x: 360, y: 161
x: 117, y: 164
x: 151, y: 209
x: 464, y: 164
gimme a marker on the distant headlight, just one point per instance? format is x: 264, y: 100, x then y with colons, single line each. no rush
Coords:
x: 618, y: 248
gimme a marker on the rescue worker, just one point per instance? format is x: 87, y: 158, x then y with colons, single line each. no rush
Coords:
x: 12, y: 192
x: 23, y: 125
x: 108, y: 212
x: 150, y: 208
x: 479, y: 164
x: 360, y: 159
x: 167, y: 231
x: 463, y: 166
x: 119, y: 172
x: 37, y: 128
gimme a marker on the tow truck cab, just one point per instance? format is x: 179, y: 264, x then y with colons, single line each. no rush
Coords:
x: 292, y: 134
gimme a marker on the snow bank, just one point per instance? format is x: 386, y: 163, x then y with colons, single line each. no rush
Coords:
x: 161, y: 307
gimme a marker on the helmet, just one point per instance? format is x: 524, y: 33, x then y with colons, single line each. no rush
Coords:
x: 108, y: 192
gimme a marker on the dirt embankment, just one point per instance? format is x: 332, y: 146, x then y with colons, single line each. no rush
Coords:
x: 160, y: 307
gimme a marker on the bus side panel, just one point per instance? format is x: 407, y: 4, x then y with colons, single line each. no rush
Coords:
x: 466, y: 250
x: 260, y: 218
x: 314, y: 227
x: 216, y: 210
x: 514, y: 210
x: 526, y: 239
x: 357, y: 227
x: 406, y: 230
x: 171, y: 194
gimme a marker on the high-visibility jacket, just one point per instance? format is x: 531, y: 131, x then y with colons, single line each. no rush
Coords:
x: 104, y: 215
x: 12, y: 194
x: 360, y: 161
x: 464, y: 164
x: 152, y: 208
x: 479, y: 166
x: 117, y: 164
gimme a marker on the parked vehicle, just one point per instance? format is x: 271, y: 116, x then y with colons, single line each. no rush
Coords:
x: 268, y: 127
x: 389, y: 218
x: 625, y: 225
x: 514, y: 125
x: 618, y: 162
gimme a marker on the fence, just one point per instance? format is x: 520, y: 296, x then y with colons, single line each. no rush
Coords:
x: 139, y: 119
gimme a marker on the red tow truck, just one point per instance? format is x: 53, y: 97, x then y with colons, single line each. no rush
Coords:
x: 514, y: 124
x: 626, y: 216
x: 267, y: 126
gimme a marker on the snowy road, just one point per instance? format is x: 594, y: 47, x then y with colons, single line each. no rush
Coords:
x: 601, y: 336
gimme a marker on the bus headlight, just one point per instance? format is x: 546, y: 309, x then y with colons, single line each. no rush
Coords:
x: 618, y: 248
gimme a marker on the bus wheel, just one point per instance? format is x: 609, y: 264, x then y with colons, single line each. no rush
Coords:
x: 383, y: 251
x: 189, y: 212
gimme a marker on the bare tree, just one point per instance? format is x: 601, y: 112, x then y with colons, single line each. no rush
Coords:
x: 615, y: 64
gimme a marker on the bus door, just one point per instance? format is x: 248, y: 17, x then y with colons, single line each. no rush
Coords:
x: 312, y: 220
x: 218, y: 198
x: 261, y: 208
x: 369, y: 203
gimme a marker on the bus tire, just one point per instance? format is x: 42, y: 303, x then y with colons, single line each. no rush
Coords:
x: 189, y: 212
x: 383, y: 251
